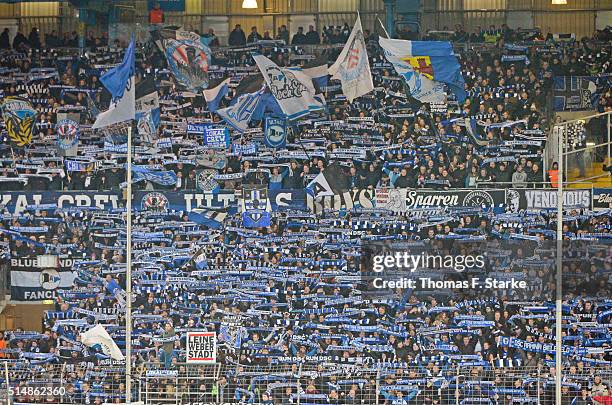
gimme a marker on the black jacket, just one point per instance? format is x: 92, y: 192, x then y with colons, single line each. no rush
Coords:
x: 237, y: 38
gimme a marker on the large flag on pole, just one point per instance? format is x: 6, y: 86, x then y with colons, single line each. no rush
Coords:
x: 292, y: 89
x: 425, y: 65
x: 352, y: 67
x: 329, y: 182
x: 214, y: 95
x: 147, y: 109
x: 119, y: 81
x: 98, y: 336
x: 240, y: 113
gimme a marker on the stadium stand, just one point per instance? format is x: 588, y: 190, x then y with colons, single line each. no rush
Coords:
x: 233, y: 240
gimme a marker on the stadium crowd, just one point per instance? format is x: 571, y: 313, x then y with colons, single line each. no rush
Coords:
x: 289, y: 296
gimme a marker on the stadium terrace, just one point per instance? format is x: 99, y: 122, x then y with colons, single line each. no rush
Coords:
x: 184, y: 222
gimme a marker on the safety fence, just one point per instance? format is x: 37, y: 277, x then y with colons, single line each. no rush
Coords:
x: 326, y: 383
x: 365, y: 384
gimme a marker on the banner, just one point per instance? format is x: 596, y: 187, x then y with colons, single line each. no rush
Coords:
x: 602, y: 198
x: 37, y: 278
x: 574, y: 93
x: 275, y: 135
x: 17, y: 202
x: 201, y: 348
x: 19, y: 117
x: 547, y: 199
x: 67, y: 132
x: 217, y: 138
x: 404, y: 200
x: 344, y: 200
x: 287, y: 199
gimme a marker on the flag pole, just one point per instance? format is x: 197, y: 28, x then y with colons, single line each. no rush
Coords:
x: 128, y: 273
x: 383, y: 27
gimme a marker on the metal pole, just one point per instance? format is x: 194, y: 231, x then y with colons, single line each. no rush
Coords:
x: 128, y: 274
x: 8, y: 384
x: 457, y: 386
x: 538, y: 385
x: 559, y: 297
x: 377, y: 387
x: 608, y: 161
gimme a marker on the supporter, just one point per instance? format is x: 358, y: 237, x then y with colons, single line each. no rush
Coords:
x: 312, y: 36
x: 299, y: 38
x: 20, y: 42
x: 553, y: 175
x: 253, y: 36
x: 213, y: 40
x: 5, y: 42
x: 289, y: 277
x: 283, y: 34
x: 156, y: 15
x: 519, y: 177
x: 237, y: 37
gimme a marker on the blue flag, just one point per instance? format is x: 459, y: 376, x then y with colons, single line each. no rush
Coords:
x: 425, y: 63
x: 120, y: 82
x: 239, y: 115
x: 163, y: 177
x: 116, y: 79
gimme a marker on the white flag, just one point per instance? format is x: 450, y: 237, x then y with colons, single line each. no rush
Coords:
x: 99, y: 336
x: 292, y: 89
x: 352, y: 67
x: 120, y: 82
x: 239, y: 115
x: 122, y: 110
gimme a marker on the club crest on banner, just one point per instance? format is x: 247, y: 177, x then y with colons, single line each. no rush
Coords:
x: 50, y: 279
x: 276, y: 133
x: 480, y: 199
x: 19, y: 119
x: 421, y: 64
x: 357, y: 59
x: 67, y: 133
x: 154, y: 202
x: 205, y: 180
x: 189, y: 61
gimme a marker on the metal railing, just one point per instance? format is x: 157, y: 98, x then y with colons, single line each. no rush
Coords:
x: 362, y: 384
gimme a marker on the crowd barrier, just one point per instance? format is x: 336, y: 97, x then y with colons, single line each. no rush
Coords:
x: 368, y: 384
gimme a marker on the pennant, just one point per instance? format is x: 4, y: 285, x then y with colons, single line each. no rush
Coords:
x: 352, y: 67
